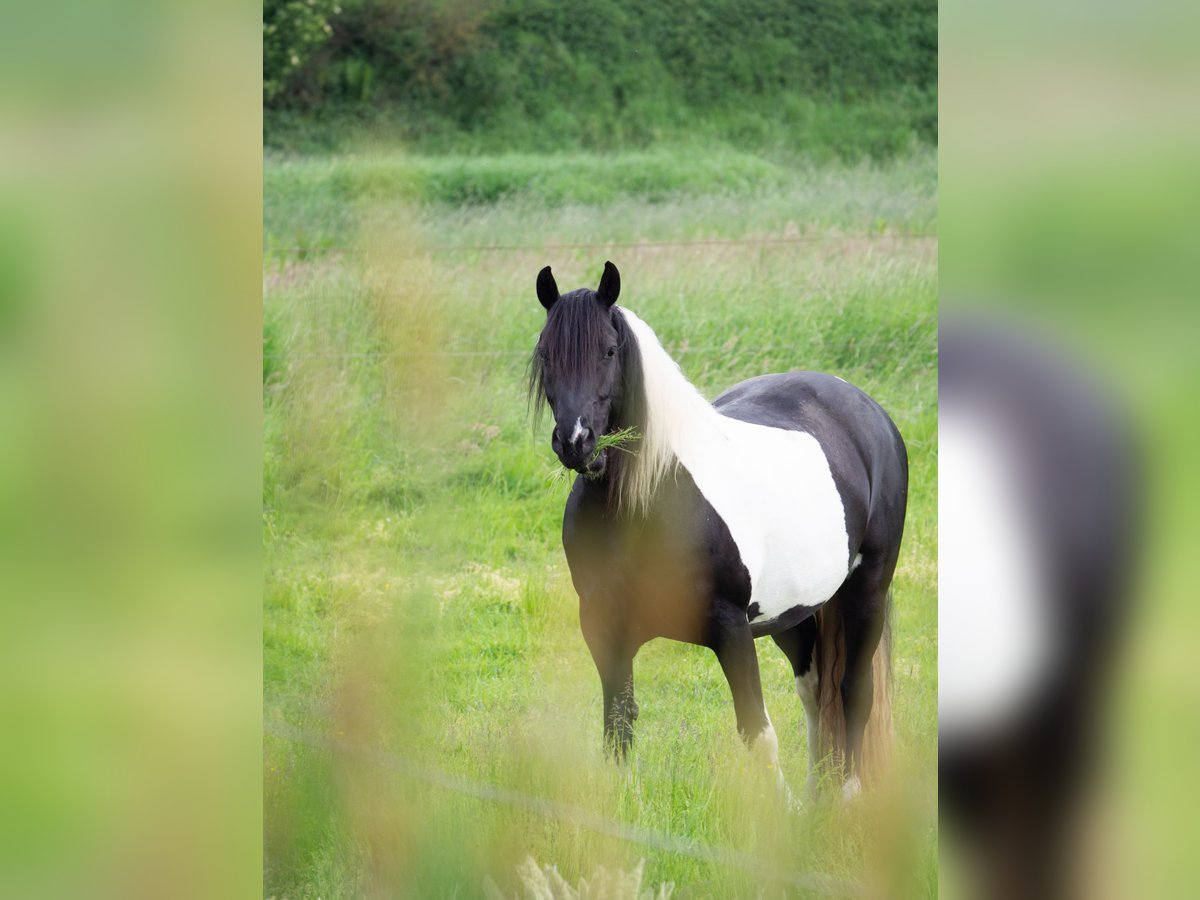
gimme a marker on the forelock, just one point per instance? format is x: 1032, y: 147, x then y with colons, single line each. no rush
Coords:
x: 574, y: 328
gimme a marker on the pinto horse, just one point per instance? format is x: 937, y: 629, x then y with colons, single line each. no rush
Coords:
x: 777, y: 510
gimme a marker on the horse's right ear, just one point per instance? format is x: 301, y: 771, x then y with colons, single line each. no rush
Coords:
x: 547, y: 290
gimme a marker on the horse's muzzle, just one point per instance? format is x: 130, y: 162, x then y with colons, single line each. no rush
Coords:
x: 576, y: 449
x: 597, y: 464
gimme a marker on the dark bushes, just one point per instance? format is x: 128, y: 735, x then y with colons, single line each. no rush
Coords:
x: 542, y: 74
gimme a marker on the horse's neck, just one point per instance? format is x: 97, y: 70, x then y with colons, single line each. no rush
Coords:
x: 676, y: 418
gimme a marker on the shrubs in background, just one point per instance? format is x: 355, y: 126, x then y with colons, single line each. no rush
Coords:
x: 825, y: 76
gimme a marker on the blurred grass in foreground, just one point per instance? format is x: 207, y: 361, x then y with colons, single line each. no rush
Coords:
x: 129, y: 451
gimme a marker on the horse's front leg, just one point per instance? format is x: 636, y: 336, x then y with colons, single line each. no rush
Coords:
x: 730, y: 638
x: 614, y: 661
x: 620, y: 710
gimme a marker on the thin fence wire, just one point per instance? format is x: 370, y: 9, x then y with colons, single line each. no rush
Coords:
x: 496, y: 353
x: 570, y: 814
x: 606, y: 245
x: 523, y: 354
x: 397, y: 354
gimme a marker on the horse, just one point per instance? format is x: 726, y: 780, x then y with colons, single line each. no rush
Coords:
x: 1040, y: 509
x: 777, y: 509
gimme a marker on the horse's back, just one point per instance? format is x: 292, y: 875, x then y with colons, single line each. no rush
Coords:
x: 808, y: 401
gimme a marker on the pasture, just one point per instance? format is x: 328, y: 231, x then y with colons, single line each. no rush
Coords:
x: 418, y: 613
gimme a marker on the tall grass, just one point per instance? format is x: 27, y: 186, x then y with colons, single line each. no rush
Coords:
x: 416, y: 598
x: 672, y: 193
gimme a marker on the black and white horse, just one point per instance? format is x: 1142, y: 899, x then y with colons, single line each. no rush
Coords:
x: 776, y: 510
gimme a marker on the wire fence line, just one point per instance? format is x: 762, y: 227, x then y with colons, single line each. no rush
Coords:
x: 605, y: 245
x: 398, y: 354
x: 488, y: 354
x: 401, y: 354
x: 570, y: 814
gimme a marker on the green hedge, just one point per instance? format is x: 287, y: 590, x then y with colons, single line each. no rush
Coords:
x: 543, y: 74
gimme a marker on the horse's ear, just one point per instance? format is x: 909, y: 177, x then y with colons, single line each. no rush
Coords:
x: 547, y: 290
x: 610, y: 285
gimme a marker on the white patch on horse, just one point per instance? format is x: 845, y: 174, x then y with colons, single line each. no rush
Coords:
x: 857, y: 562
x: 578, y: 432
x: 767, y: 743
x: 995, y: 641
x: 773, y: 488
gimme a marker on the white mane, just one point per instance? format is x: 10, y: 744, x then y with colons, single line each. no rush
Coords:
x: 676, y: 415
x: 772, y: 487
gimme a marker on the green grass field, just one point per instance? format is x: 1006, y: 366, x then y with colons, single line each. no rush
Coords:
x: 417, y: 603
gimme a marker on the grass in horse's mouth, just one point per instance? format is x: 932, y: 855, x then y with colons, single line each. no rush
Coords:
x: 614, y: 440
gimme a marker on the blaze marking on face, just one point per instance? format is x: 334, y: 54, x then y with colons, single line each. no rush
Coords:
x: 578, y: 432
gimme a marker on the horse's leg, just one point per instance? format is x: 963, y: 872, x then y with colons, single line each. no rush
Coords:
x: 614, y: 661
x: 799, y: 646
x: 730, y: 638
x: 619, y: 709
x: 862, y: 613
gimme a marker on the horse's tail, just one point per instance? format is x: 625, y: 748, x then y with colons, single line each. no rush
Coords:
x: 831, y: 666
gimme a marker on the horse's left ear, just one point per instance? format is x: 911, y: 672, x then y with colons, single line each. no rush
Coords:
x: 610, y: 284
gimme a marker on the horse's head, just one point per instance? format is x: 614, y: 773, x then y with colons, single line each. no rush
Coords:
x: 577, y: 367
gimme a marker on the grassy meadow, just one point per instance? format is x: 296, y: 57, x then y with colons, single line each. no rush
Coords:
x: 426, y: 687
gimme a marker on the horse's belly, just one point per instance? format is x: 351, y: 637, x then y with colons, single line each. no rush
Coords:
x: 780, y: 589
x: 776, y: 494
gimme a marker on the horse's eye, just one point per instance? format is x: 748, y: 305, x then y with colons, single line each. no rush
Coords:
x: 611, y: 352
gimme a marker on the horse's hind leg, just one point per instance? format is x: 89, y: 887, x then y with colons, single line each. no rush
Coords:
x: 862, y: 610
x: 799, y: 646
